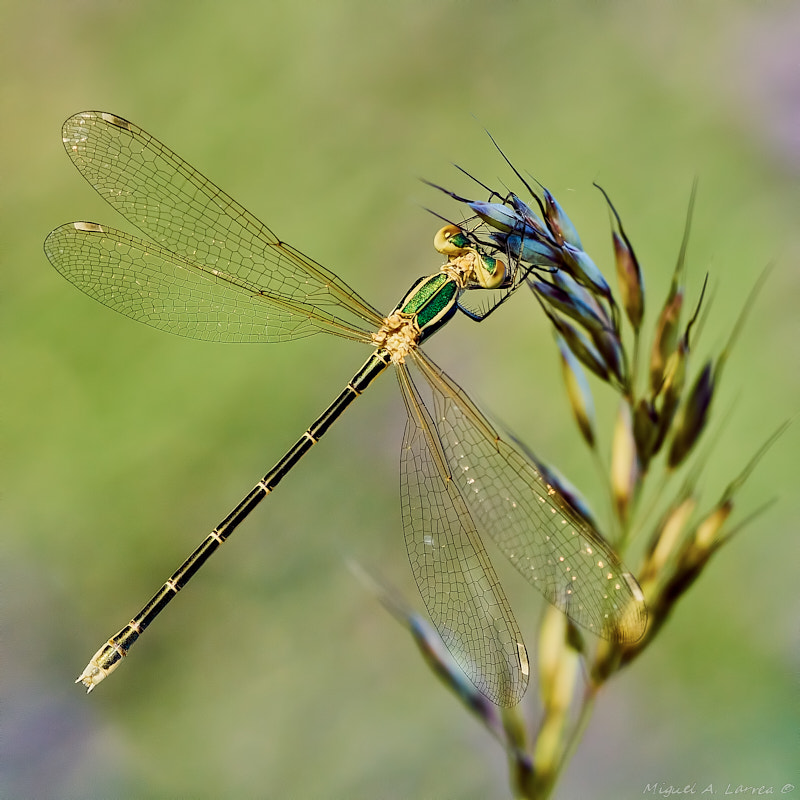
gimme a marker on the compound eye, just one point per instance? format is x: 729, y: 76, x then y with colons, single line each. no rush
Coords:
x: 491, y: 273
x: 450, y: 241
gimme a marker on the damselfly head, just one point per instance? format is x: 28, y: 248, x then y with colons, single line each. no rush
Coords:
x: 476, y: 267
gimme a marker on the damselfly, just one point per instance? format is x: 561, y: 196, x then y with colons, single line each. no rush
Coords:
x: 212, y: 271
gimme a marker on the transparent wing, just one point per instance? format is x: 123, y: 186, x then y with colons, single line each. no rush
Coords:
x: 553, y: 549
x: 185, y: 213
x: 457, y: 582
x: 153, y: 285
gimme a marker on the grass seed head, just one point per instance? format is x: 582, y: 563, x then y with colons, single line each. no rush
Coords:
x: 693, y: 417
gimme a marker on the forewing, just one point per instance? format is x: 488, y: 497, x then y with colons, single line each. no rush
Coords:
x: 457, y: 582
x: 551, y: 546
x: 184, y: 212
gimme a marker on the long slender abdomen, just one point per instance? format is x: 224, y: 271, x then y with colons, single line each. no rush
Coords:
x: 108, y: 657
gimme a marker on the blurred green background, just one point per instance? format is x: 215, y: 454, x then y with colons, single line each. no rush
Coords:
x: 277, y: 674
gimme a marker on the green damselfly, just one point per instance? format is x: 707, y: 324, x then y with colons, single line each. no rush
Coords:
x: 212, y: 271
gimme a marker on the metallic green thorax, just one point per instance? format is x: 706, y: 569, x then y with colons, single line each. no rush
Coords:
x: 431, y: 301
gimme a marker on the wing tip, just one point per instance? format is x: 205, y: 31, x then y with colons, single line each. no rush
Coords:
x: 83, y: 118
